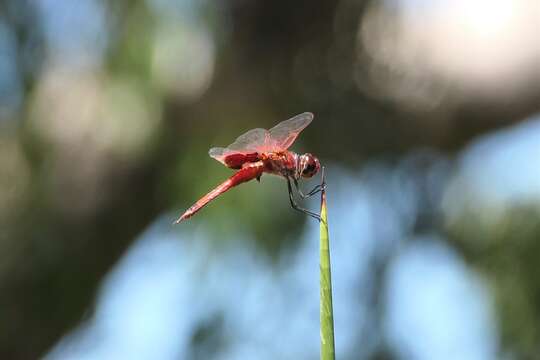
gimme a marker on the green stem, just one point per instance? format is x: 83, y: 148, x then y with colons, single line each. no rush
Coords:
x: 327, y: 317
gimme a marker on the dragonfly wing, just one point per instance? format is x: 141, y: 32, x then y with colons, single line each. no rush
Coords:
x: 251, y: 141
x: 233, y: 159
x: 218, y: 153
x: 248, y: 146
x: 221, y: 154
x: 283, y: 134
x: 244, y: 149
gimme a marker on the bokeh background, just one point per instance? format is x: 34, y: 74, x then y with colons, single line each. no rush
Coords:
x: 428, y: 123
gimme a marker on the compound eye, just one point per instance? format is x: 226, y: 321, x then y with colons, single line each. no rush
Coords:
x: 309, y: 169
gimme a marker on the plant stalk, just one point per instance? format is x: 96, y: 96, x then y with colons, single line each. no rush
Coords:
x: 326, y: 310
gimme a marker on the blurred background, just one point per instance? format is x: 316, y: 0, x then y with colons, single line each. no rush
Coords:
x: 427, y: 118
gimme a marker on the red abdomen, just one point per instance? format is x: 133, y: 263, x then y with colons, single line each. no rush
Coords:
x: 247, y: 173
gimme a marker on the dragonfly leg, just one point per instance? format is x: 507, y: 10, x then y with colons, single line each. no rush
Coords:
x: 317, y: 189
x: 298, y: 208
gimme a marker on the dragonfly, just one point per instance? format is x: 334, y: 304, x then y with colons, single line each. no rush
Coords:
x: 260, y: 151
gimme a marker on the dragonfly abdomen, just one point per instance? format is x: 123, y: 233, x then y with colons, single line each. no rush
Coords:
x: 247, y: 173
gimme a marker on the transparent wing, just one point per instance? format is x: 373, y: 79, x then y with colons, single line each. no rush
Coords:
x: 253, y: 141
x: 278, y: 138
x: 218, y: 153
x: 283, y: 134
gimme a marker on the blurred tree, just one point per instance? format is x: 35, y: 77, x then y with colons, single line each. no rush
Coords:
x: 273, y: 59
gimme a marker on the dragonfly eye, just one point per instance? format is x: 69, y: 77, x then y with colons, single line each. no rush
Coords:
x: 310, y: 165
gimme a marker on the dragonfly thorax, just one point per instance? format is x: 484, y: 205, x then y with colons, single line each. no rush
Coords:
x: 282, y: 163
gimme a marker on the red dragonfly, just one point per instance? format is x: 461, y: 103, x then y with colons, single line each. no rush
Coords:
x: 260, y: 151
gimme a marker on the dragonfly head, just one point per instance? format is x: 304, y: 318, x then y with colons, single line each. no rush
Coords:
x: 309, y: 165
